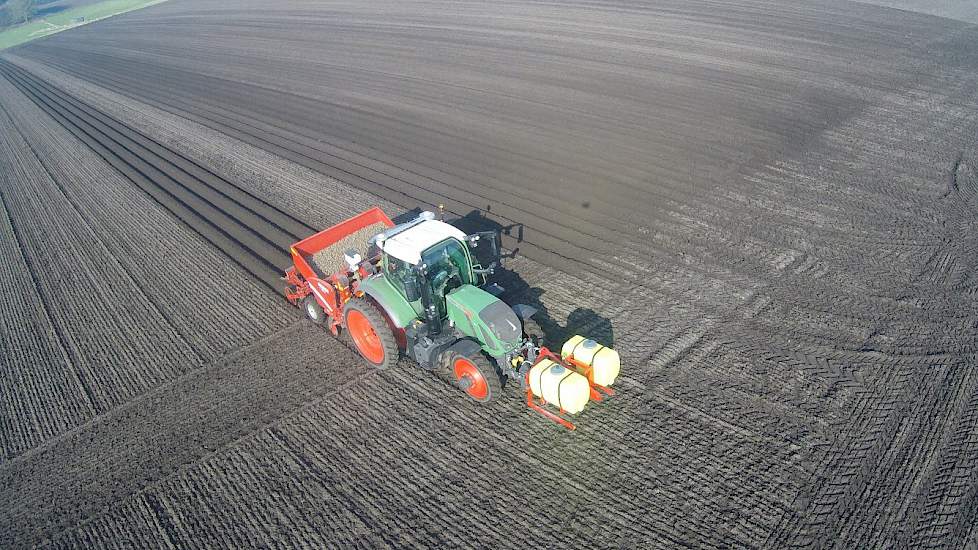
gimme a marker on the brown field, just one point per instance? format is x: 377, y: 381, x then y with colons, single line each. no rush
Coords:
x: 769, y: 209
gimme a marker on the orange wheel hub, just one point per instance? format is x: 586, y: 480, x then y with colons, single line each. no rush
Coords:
x: 365, y: 337
x: 470, y: 379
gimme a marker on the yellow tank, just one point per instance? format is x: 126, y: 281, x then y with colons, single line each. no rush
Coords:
x: 559, y: 386
x: 604, y: 361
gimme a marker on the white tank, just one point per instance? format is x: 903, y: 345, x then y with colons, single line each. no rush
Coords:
x: 559, y: 386
x: 604, y: 361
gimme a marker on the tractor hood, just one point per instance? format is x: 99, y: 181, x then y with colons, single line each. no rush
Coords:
x: 487, y: 319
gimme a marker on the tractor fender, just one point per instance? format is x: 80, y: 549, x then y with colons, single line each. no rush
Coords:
x: 383, y: 293
x: 466, y: 347
x: 399, y: 334
x: 524, y: 311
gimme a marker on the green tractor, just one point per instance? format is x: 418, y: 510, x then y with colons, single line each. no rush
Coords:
x: 417, y: 289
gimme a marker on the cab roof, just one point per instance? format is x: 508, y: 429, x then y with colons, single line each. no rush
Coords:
x: 408, y: 245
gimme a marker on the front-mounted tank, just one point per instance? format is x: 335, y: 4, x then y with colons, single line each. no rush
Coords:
x: 566, y: 389
x: 604, y: 362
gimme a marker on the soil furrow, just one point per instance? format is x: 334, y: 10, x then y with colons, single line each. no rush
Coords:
x: 135, y: 157
x: 750, y: 200
x: 166, y: 158
x: 223, y: 236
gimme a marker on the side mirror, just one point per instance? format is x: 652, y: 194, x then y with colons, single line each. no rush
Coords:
x: 490, y: 270
x: 489, y: 255
x: 412, y: 290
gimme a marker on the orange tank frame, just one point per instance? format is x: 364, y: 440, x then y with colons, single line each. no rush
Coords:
x: 598, y: 392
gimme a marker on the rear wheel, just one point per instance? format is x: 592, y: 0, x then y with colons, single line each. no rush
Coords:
x: 475, y: 375
x: 313, y: 310
x: 370, y: 332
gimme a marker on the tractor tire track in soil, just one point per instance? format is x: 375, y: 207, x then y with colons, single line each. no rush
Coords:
x: 169, y: 427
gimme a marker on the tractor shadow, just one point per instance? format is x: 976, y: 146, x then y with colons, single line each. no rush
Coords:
x: 476, y: 221
x: 583, y: 321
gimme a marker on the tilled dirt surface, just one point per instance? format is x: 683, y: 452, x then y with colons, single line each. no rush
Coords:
x: 768, y: 208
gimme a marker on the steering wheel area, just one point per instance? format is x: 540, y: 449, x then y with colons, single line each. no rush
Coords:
x: 448, y: 274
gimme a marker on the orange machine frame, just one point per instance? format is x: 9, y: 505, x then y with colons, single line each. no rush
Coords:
x: 302, y: 276
x: 598, y: 392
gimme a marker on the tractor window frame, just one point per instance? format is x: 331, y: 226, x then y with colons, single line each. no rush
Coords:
x: 396, y: 274
x: 467, y: 275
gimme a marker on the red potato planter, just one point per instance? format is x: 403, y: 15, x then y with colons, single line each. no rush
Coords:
x: 328, y: 290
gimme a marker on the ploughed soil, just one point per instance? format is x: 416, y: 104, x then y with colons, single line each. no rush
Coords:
x: 769, y: 209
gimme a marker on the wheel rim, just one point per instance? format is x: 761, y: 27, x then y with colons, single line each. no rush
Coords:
x: 311, y: 311
x: 466, y: 369
x: 365, y: 337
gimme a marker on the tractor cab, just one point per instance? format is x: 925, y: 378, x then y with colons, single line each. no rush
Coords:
x: 432, y: 287
x: 429, y: 254
x: 428, y: 257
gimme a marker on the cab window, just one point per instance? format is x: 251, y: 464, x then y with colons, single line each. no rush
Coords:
x: 448, y: 268
x: 399, y: 271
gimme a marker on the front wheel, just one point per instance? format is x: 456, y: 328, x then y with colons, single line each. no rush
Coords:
x: 314, y: 312
x: 370, y: 332
x: 475, y: 375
